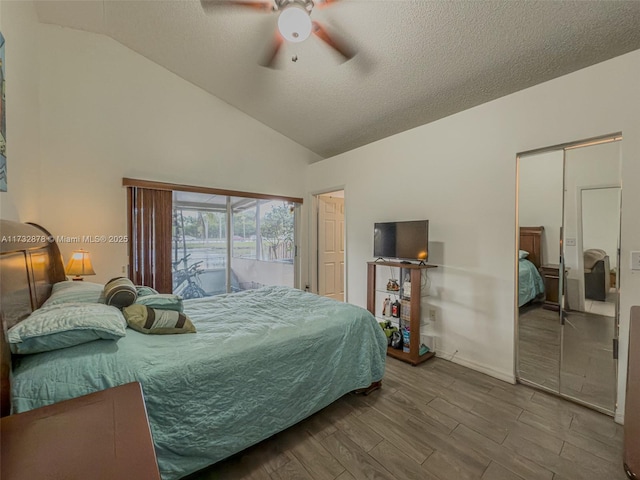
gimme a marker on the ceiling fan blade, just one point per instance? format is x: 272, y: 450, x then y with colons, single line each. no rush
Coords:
x: 324, y: 3
x: 270, y: 59
x: 265, y: 6
x: 320, y: 32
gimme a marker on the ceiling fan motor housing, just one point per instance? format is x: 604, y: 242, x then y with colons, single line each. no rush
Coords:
x: 294, y: 21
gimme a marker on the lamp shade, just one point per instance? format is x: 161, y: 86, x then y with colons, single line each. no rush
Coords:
x: 294, y: 23
x: 80, y: 264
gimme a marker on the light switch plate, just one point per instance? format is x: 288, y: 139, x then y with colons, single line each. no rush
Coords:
x: 635, y: 260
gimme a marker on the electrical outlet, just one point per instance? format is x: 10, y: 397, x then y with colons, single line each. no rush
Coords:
x: 571, y: 242
x: 635, y: 260
x: 432, y: 315
x: 124, y: 269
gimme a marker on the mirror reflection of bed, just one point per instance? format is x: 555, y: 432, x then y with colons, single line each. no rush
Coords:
x: 538, y: 328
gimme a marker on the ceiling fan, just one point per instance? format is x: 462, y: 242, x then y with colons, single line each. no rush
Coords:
x: 294, y: 23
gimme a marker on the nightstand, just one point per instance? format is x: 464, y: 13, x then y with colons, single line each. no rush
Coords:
x: 100, y: 436
x: 551, y: 275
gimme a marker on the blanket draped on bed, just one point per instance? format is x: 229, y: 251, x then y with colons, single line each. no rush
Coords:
x: 261, y: 361
x: 530, y: 282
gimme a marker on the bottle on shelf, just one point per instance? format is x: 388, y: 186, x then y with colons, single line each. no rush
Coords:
x: 395, y: 309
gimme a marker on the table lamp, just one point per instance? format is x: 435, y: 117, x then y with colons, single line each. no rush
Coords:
x: 80, y: 265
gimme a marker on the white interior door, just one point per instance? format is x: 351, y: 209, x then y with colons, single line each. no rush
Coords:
x: 331, y: 247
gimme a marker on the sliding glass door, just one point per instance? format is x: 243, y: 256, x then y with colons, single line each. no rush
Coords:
x: 263, y: 247
x: 224, y: 244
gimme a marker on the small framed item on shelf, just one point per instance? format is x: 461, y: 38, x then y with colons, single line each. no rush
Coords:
x: 406, y: 287
x: 386, y: 307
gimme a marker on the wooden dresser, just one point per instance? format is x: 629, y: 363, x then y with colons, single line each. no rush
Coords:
x: 101, y: 436
x: 551, y: 275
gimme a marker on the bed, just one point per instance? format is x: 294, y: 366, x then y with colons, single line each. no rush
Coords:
x: 260, y: 361
x: 530, y: 282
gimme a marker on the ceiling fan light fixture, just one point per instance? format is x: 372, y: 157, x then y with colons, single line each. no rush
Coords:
x: 294, y: 23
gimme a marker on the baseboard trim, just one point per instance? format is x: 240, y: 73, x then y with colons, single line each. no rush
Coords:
x: 478, y: 367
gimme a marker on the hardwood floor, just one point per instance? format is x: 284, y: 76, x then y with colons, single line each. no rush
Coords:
x: 438, y: 421
x: 539, y: 346
x: 588, y: 370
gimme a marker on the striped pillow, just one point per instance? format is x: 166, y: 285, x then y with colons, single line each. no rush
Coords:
x: 120, y: 292
x: 160, y: 322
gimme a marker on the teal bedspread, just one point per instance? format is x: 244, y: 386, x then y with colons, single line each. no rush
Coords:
x: 530, y: 283
x: 262, y: 360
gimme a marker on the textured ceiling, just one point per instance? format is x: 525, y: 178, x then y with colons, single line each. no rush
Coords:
x: 417, y: 61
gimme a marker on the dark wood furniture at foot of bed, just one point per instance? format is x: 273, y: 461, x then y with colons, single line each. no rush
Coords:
x: 51, y: 442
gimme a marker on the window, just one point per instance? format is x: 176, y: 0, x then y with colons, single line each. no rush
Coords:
x: 226, y: 242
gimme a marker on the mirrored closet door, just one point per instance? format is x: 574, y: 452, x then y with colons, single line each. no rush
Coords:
x: 569, y: 230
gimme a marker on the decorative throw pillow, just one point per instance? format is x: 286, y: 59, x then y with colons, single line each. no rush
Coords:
x: 155, y: 321
x: 163, y: 301
x: 69, y: 291
x: 120, y: 292
x: 66, y: 325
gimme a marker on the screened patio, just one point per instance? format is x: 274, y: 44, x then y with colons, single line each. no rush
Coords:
x: 226, y: 244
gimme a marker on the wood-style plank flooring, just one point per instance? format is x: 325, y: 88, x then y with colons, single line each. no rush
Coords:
x: 438, y: 421
x: 588, y: 370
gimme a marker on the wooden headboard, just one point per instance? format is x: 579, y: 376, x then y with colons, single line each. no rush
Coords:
x: 531, y: 241
x: 30, y: 263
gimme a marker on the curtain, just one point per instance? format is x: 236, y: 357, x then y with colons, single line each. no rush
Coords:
x: 150, y: 221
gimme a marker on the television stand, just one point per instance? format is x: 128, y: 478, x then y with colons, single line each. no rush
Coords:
x: 410, y: 306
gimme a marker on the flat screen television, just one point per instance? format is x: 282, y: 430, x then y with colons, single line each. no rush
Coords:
x: 401, y: 240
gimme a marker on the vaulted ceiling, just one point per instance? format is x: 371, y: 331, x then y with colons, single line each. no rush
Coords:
x: 416, y: 61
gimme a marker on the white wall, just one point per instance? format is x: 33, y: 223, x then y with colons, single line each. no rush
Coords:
x: 19, y: 26
x: 460, y: 173
x: 540, y: 199
x: 107, y: 113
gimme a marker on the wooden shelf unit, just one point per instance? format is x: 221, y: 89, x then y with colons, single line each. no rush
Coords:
x: 413, y: 356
